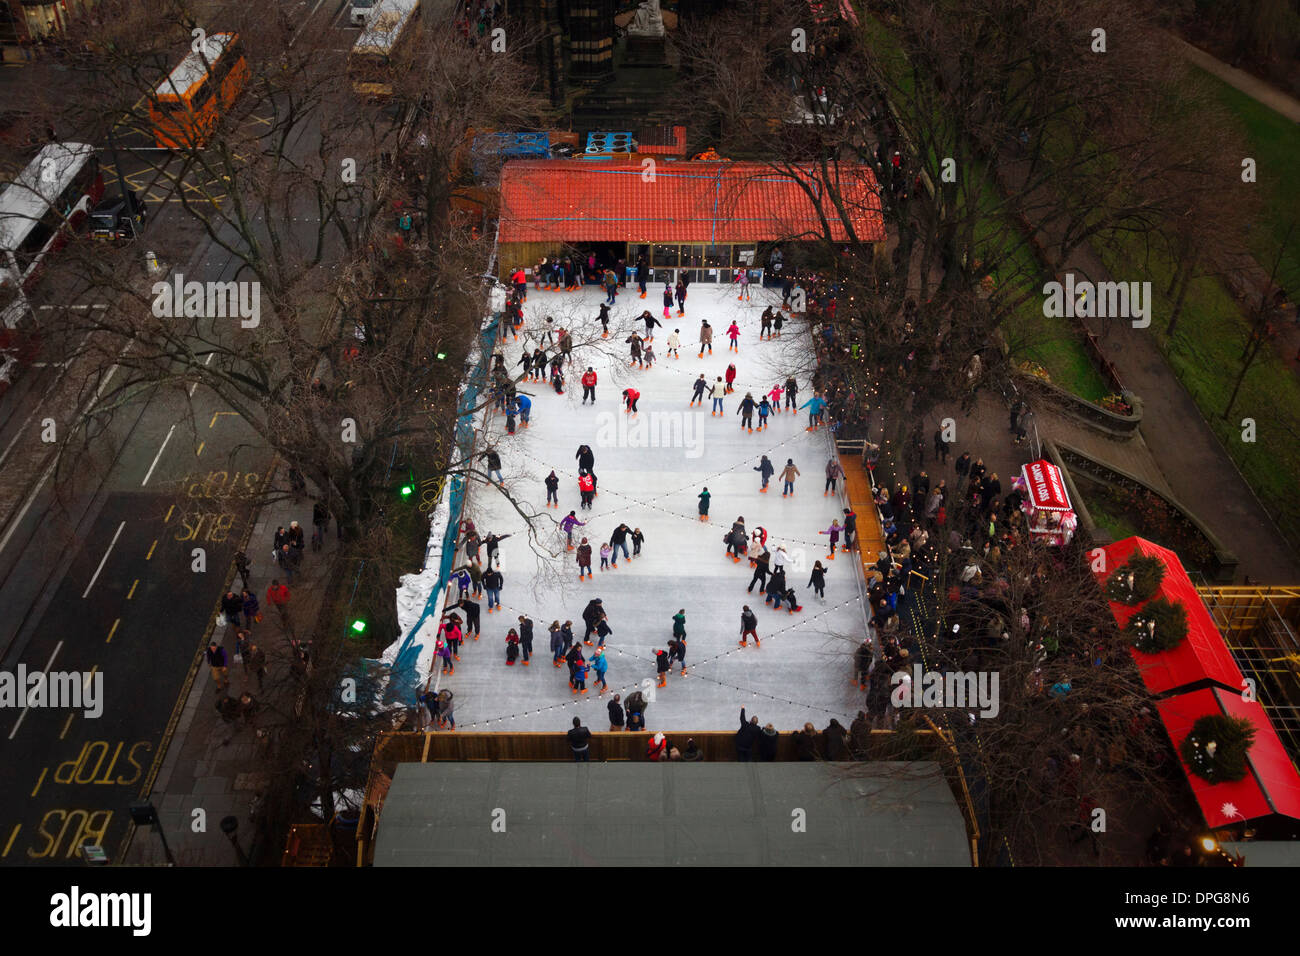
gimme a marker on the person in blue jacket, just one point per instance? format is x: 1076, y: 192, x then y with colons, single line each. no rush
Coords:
x: 766, y: 471
x: 525, y: 408
x: 600, y: 664
x: 816, y: 408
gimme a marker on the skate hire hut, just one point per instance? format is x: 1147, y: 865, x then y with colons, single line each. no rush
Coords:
x: 707, y: 219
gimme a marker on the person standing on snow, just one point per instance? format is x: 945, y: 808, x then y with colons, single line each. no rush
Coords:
x: 706, y: 337
x: 791, y: 393
x: 668, y: 299
x: 634, y: 341
x: 589, y: 385
x: 765, y: 330
x: 586, y: 487
x: 816, y: 408
x: 681, y: 296
x: 834, y: 532
x: 766, y: 471
x: 700, y: 387
x: 604, y: 320
x: 584, y: 559
x: 746, y: 412
x: 704, y: 504
x: 788, y: 475
x: 674, y: 343
x: 733, y: 333
x: 719, y: 392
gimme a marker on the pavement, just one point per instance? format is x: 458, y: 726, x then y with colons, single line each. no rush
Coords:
x: 213, y: 765
x: 1252, y: 86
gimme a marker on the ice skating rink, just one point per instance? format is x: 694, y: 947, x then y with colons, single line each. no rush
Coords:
x: 650, y: 471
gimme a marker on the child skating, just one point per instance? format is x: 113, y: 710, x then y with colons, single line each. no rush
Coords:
x: 834, y: 532
x: 764, y: 409
x: 733, y: 333
x: 699, y: 388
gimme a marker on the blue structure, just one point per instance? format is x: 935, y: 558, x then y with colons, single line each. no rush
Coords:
x: 508, y: 146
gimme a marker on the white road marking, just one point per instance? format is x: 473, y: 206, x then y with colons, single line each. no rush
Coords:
x: 103, y: 560
x: 58, y: 647
x: 149, y: 473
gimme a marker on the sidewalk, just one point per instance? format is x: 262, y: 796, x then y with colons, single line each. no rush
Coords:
x: 211, y: 764
x: 1183, y: 449
x: 1255, y: 88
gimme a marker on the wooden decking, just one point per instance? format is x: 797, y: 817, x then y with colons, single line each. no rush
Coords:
x: 857, y: 484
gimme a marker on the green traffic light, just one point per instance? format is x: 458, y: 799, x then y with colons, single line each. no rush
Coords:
x: 406, y: 491
x: 441, y: 356
x: 359, y: 626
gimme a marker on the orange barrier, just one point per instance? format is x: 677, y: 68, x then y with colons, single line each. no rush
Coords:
x: 857, y: 485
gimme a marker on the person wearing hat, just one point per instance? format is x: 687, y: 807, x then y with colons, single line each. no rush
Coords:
x: 692, y: 752
x: 767, y: 744
x: 657, y: 748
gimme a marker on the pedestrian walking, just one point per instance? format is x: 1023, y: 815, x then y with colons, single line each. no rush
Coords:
x: 277, y: 595
x: 232, y: 607
x: 320, y: 522
x: 940, y: 446
x: 255, y: 665
x: 290, y: 561
x: 218, y: 664
x: 788, y: 475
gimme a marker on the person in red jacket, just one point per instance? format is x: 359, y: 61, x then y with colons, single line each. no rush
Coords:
x: 733, y: 333
x: 520, y: 282
x: 278, y: 595
x: 630, y: 395
x: 589, y: 385
x: 586, y: 488
x: 731, y: 377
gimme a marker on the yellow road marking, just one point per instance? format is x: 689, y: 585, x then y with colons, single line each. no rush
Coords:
x: 151, y: 547
x: 217, y: 415
x: 42, y: 779
x: 113, y: 630
x: 200, y: 451
x: 131, y: 593
x: 169, y: 514
x: 13, y: 836
x: 66, y: 724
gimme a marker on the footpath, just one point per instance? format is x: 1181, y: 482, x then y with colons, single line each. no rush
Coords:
x: 211, y: 763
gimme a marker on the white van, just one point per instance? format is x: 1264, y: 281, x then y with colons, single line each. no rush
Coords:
x: 360, y: 11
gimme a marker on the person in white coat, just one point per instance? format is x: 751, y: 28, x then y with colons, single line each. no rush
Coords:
x: 718, y: 392
x: 674, y: 343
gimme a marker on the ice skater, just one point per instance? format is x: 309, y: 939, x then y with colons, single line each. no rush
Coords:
x: 599, y: 665
x: 748, y: 627
x: 742, y: 279
x: 630, y: 396
x: 775, y: 396
x: 760, y: 571
x: 834, y: 532
x: 662, y: 664
x: 704, y: 504
x: 650, y: 323
x: 677, y: 652
x: 604, y: 320
x: 567, y: 524
x: 552, y: 483
x: 649, y: 355
x: 818, y: 581
x: 512, y: 647
x: 674, y: 344
x: 731, y: 378
x: 699, y: 388
x: 719, y: 392
x: 679, y: 624
x: 816, y: 409
x: 788, y: 475
x: 706, y: 337
x: 634, y: 340
x: 791, y: 393
x: 605, y: 552
x: 668, y: 299
x: 586, y: 488
x: 526, y: 638
x: 775, y: 587
x: 764, y: 409
x: 584, y: 559
x: 765, y: 471
x: 589, y: 385
x: 833, y: 474
x: 638, y: 538
x: 765, y: 320
x: 733, y: 333
x: 681, y: 297
x: 746, y: 412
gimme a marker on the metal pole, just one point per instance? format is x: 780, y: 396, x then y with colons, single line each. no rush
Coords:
x: 121, y: 183
x: 167, y: 850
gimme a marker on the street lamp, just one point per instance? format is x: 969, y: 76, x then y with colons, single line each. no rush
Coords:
x: 230, y: 827
x: 144, y: 813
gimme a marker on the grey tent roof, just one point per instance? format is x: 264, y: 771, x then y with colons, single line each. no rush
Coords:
x: 670, y: 814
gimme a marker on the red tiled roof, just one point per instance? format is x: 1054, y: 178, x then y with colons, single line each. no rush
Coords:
x: 662, y: 140
x: 567, y: 200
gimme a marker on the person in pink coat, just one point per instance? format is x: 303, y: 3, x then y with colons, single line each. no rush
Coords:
x: 733, y: 333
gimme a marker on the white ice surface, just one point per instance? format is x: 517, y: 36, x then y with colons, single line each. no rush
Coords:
x: 803, y: 670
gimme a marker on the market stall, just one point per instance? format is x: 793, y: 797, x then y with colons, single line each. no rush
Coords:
x: 1045, y: 502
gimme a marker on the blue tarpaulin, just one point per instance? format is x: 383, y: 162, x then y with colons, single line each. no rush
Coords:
x: 509, y: 146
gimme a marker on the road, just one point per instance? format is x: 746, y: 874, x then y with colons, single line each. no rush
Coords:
x: 115, y: 565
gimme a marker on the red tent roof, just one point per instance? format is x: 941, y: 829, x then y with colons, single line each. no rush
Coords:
x: 566, y: 200
x: 1271, y: 786
x: 1203, y: 655
x: 1046, y: 489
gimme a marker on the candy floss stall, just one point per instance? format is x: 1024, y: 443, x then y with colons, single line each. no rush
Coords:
x: 1046, y: 503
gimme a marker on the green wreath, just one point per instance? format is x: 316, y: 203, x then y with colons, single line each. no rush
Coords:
x: 1136, y: 581
x: 1216, y: 748
x: 1160, y: 626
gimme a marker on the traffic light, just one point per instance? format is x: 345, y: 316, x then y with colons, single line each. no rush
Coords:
x: 407, y: 491
x: 359, y: 626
